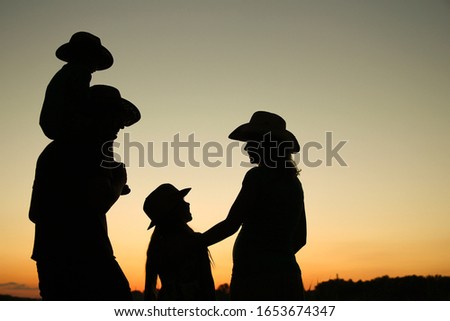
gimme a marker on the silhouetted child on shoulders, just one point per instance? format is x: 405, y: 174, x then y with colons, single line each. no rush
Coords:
x: 66, y: 113
x: 67, y: 94
x: 175, y: 252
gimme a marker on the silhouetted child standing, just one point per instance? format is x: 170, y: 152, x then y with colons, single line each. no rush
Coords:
x: 67, y: 94
x: 175, y: 253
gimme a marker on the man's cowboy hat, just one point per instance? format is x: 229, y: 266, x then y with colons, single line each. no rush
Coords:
x: 107, y: 99
x: 161, y: 201
x: 84, y: 44
x: 264, y: 123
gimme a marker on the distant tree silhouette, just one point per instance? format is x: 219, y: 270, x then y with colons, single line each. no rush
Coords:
x: 223, y: 292
x: 137, y: 295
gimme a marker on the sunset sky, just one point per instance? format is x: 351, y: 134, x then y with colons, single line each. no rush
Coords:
x: 374, y: 75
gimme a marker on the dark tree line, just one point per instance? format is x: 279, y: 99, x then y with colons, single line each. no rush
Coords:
x: 408, y: 288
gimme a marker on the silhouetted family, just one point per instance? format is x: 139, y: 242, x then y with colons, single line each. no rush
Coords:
x: 77, y: 181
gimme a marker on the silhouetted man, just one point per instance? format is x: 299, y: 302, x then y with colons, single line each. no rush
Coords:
x: 75, y: 184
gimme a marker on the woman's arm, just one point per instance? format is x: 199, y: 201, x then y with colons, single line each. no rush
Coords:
x: 241, y: 207
x: 300, y: 230
x: 220, y: 231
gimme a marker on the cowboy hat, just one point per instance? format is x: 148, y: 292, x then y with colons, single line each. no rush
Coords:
x: 104, y: 99
x: 161, y: 201
x: 265, y: 123
x: 86, y: 45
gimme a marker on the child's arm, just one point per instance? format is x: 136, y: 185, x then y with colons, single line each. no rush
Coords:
x: 104, y: 189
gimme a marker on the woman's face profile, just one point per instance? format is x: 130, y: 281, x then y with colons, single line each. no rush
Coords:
x: 253, y: 150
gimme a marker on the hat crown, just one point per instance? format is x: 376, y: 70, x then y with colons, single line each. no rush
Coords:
x: 107, y: 99
x: 264, y: 123
x: 86, y: 39
x: 270, y: 121
x: 105, y: 94
x: 162, y: 192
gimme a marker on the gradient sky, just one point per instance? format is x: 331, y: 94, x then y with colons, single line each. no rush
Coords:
x: 375, y: 74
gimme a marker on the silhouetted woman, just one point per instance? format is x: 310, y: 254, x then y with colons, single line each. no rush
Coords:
x: 270, y: 212
x: 175, y: 252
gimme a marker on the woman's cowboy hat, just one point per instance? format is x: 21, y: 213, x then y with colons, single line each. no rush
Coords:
x: 106, y: 99
x: 84, y: 44
x: 161, y: 201
x: 264, y: 123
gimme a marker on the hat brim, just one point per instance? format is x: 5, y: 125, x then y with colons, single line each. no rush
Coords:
x: 180, y: 195
x: 131, y: 114
x: 102, y: 57
x: 248, y: 132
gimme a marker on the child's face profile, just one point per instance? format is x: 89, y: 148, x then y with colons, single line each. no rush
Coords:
x: 86, y: 61
x: 184, y: 211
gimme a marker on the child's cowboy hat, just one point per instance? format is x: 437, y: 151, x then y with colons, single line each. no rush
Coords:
x: 264, y: 123
x: 84, y: 44
x: 161, y: 201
